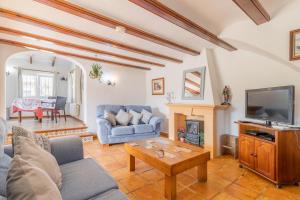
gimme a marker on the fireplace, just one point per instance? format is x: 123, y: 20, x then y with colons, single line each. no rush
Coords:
x: 194, y: 133
x: 212, y: 117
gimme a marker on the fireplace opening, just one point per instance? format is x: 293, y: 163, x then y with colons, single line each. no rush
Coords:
x: 194, y: 132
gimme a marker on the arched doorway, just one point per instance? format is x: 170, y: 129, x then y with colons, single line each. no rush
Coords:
x: 36, y: 74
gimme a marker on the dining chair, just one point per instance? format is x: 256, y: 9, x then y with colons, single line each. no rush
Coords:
x: 60, y: 105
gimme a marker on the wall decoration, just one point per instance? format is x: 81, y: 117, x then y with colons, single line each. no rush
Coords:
x: 295, y: 45
x: 158, y: 86
x: 96, y: 72
x: 170, y: 97
x: 193, y: 84
x: 226, y: 95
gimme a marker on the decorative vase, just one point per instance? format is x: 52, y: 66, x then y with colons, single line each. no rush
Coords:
x: 182, y: 140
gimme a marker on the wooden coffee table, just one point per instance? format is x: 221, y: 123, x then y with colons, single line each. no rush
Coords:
x: 178, y: 157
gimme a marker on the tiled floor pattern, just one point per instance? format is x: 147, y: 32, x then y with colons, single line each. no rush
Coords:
x: 226, y: 181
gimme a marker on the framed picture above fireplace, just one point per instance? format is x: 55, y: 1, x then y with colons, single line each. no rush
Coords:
x: 193, y: 84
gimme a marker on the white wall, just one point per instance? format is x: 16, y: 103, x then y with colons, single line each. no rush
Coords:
x: 173, y: 74
x: 130, y: 87
x: 261, y: 61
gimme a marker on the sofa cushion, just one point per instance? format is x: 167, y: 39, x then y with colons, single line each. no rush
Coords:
x: 4, y: 166
x: 138, y: 108
x: 110, y: 195
x: 84, y: 179
x: 123, y: 117
x: 110, y: 117
x: 136, y: 117
x: 114, y: 109
x: 143, y: 128
x: 41, y: 140
x: 26, y: 181
x: 146, y: 116
x: 122, y: 130
x: 35, y: 155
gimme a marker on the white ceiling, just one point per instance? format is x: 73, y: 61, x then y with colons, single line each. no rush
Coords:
x: 42, y: 59
x: 215, y: 15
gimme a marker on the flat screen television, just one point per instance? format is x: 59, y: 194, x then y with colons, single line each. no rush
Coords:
x: 274, y: 104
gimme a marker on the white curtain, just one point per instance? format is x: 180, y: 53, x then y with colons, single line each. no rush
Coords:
x: 75, y: 87
x: 20, y: 83
x: 55, y: 84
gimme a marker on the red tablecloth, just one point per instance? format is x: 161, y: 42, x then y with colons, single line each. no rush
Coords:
x: 33, y: 105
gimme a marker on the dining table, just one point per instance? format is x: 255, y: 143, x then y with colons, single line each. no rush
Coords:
x: 33, y: 105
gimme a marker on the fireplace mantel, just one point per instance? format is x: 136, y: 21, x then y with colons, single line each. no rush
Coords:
x: 208, y: 113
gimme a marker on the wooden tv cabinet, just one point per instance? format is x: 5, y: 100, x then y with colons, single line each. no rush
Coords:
x: 277, y: 161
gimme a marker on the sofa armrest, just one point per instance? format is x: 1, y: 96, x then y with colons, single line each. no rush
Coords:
x: 103, y: 130
x: 67, y: 149
x: 8, y: 150
x: 156, y: 122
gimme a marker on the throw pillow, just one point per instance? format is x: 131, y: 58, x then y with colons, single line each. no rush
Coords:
x: 41, y: 140
x: 4, y: 166
x: 110, y: 117
x: 35, y: 155
x: 123, y: 117
x: 146, y: 116
x: 136, y: 117
x: 26, y: 182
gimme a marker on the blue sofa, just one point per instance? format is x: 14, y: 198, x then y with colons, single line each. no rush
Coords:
x: 83, y: 179
x: 107, y: 134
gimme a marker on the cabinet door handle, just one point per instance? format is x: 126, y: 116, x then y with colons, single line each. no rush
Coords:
x: 255, y: 155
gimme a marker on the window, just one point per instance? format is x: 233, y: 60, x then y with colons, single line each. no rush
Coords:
x: 46, y: 85
x: 37, y: 84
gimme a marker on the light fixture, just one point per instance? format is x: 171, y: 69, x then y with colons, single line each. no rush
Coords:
x: 120, y: 29
x: 109, y: 81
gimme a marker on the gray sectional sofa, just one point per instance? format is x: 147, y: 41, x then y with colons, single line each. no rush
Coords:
x: 108, y: 134
x: 83, y: 179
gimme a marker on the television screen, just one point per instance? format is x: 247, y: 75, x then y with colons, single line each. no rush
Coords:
x: 272, y: 104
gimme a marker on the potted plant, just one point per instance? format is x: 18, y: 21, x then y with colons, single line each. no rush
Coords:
x: 181, y: 134
x: 96, y: 72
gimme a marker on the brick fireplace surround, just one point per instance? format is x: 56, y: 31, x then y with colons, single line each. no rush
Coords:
x: 213, y: 123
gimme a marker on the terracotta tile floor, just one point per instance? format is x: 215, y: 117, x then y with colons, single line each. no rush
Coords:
x: 226, y: 181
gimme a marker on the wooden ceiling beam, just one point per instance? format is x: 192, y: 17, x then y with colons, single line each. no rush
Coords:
x: 35, y: 47
x: 254, y: 10
x: 170, y: 15
x: 79, y: 34
x: 112, y: 23
x: 74, y: 46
